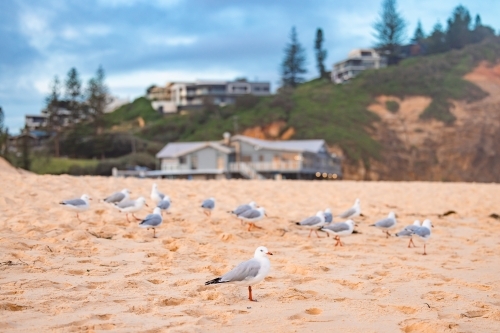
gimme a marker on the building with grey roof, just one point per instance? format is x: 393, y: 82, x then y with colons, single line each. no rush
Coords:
x: 245, y: 157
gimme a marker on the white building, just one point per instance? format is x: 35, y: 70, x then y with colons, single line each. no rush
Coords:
x: 177, y: 96
x: 357, y: 61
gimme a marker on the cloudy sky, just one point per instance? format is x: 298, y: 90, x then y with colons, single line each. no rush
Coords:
x: 140, y: 43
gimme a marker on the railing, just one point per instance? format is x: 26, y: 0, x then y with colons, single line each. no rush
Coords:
x: 274, y: 165
x: 245, y: 169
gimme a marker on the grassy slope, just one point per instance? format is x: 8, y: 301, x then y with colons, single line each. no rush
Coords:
x: 57, y: 166
x: 319, y: 109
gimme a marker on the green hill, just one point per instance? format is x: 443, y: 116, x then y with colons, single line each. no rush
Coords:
x: 320, y: 109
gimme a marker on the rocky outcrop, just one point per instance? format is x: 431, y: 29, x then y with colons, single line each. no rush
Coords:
x: 416, y: 149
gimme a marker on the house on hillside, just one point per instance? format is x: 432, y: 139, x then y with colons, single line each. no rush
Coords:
x: 179, y: 96
x: 357, y: 61
x: 245, y: 157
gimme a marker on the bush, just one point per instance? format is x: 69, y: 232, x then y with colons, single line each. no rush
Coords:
x: 392, y: 106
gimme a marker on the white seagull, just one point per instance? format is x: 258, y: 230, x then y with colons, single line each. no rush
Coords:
x: 328, y: 216
x: 339, y: 229
x: 118, y: 196
x: 251, y: 216
x: 156, y: 195
x: 313, y: 222
x: 386, y: 224
x: 352, y: 212
x: 424, y: 232
x: 131, y: 206
x: 208, y: 205
x: 165, y: 204
x: 249, y: 272
x: 78, y: 205
x: 152, y: 221
x: 407, y: 232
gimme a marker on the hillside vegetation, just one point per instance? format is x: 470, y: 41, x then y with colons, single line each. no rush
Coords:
x: 316, y: 109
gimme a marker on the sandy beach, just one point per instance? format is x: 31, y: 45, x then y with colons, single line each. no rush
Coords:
x: 59, y: 274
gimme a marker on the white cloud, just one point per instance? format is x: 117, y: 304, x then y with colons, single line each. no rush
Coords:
x: 170, y: 41
x: 128, y: 3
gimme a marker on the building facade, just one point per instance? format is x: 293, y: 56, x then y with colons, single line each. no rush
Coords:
x: 357, y: 61
x: 178, y: 96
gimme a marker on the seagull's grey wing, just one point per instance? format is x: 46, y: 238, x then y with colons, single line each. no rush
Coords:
x: 310, y: 221
x: 404, y: 233
x: 125, y: 204
x: 347, y: 213
x: 250, y: 214
x: 412, y: 227
x: 337, y: 227
x: 208, y: 204
x: 164, y: 204
x: 240, y: 209
x: 151, y: 220
x: 161, y: 195
x: 74, y: 202
x: 328, y: 217
x: 385, y: 223
x: 422, y: 232
x: 246, y: 270
x: 115, y: 197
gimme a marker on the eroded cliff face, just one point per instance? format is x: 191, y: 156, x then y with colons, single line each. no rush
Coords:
x: 416, y: 149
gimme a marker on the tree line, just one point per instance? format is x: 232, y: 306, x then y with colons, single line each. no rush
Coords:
x: 390, y: 34
x: 83, y: 103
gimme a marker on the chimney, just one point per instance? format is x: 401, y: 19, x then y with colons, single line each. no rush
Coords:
x: 227, y: 138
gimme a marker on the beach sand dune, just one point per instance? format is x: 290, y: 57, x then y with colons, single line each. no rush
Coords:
x: 57, y: 274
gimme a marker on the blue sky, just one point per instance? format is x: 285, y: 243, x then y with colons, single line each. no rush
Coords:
x: 140, y: 43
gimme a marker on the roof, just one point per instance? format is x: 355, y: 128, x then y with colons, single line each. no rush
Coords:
x: 313, y: 146
x: 176, y: 149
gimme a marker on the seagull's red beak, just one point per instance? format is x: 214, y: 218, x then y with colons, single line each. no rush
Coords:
x: 269, y: 253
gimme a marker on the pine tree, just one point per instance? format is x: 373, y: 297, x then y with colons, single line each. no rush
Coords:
x: 419, y: 34
x: 390, y: 30
x: 320, y: 54
x: 4, y: 134
x: 54, y: 120
x: 97, y: 98
x: 458, y: 33
x: 73, y: 92
x: 436, y: 42
x: 294, y: 63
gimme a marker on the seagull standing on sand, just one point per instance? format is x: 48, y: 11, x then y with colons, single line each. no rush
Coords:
x: 339, y: 229
x: 328, y: 216
x: 208, y: 206
x: 131, y: 206
x: 152, y: 221
x: 156, y: 195
x: 352, y: 212
x: 242, y: 208
x: 424, y: 232
x: 249, y: 272
x: 386, y: 224
x: 165, y: 204
x: 251, y: 216
x: 313, y: 223
x: 407, y: 232
x: 118, y: 196
x: 78, y: 205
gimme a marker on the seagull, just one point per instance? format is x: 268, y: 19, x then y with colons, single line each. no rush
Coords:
x: 79, y: 205
x: 242, y: 208
x: 156, y: 195
x: 165, y: 204
x: 208, y: 205
x: 328, y: 216
x: 385, y: 224
x: 424, y: 231
x: 152, y: 221
x: 252, y: 215
x: 339, y: 229
x: 352, y: 212
x: 249, y: 272
x: 407, y: 232
x: 313, y: 222
x: 118, y: 196
x: 131, y: 206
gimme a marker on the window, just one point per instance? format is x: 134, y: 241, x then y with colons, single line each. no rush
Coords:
x: 261, y: 158
x: 366, y: 54
x: 194, y: 162
x: 182, y: 160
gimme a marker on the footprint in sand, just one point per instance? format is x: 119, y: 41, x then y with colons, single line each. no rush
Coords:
x: 314, y: 311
